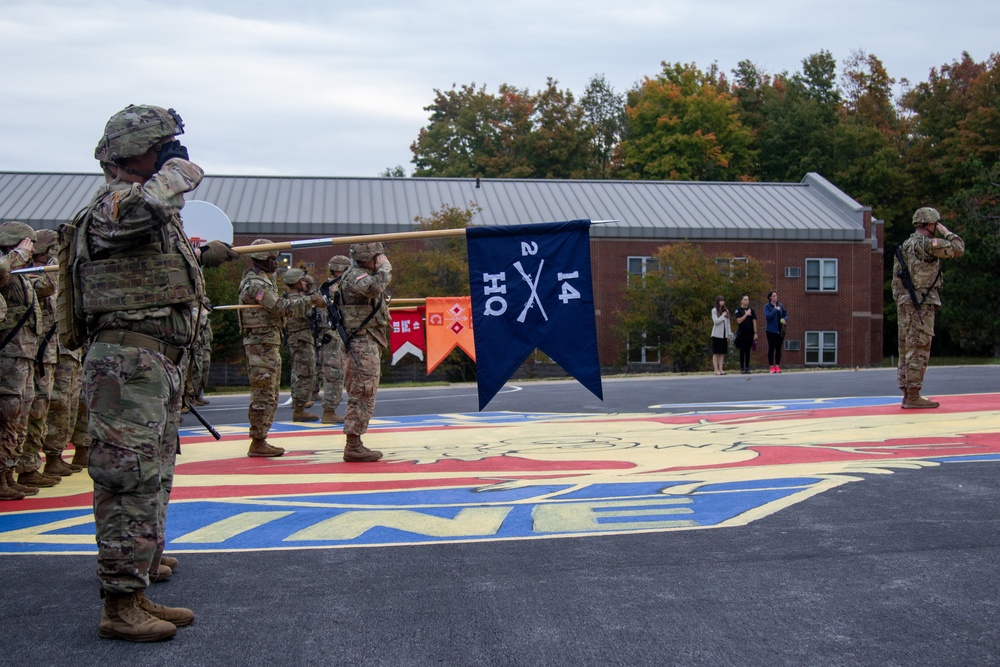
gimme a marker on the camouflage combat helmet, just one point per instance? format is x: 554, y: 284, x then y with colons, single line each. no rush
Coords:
x: 293, y: 276
x: 363, y: 252
x: 134, y: 129
x: 926, y: 216
x: 338, y: 263
x: 13, y: 232
x: 262, y: 256
x: 48, y: 240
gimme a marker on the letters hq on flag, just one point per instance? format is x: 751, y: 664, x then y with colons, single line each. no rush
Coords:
x: 531, y: 287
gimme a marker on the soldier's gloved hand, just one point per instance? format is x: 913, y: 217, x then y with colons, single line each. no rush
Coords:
x: 171, y: 150
x: 317, y: 300
x: 215, y: 253
x: 327, y: 338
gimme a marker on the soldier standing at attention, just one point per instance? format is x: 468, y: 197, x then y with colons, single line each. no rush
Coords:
x: 366, y: 318
x: 261, y: 329
x: 62, y: 405
x: 302, y: 346
x: 19, y: 333
x: 138, y: 283
x: 331, y: 348
x: 46, y: 358
x: 919, y: 260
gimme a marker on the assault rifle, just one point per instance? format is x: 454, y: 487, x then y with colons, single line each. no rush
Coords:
x: 904, y: 275
x: 337, y: 318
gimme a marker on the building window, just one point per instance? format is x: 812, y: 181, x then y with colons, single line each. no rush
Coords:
x: 640, y: 266
x: 821, y: 275
x: 821, y: 348
x: 640, y: 351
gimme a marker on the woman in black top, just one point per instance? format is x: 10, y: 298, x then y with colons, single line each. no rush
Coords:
x: 746, y: 332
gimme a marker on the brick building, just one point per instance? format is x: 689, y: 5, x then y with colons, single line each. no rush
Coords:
x: 822, y: 249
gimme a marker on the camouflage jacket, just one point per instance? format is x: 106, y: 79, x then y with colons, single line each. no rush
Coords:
x: 130, y: 220
x: 19, y: 297
x: 264, y: 324
x: 360, y: 291
x: 923, y: 256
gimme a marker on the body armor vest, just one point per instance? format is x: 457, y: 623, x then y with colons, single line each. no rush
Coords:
x: 158, y: 273
x: 253, y: 318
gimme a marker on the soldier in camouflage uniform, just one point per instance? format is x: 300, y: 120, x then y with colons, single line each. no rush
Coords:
x: 19, y: 333
x: 366, y: 318
x: 138, y: 283
x: 206, y: 338
x: 81, y: 436
x: 66, y: 386
x: 302, y: 346
x: 261, y: 329
x: 331, y: 349
x: 30, y: 462
x: 922, y: 253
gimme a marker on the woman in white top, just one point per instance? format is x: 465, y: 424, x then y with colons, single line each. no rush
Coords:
x: 721, y: 333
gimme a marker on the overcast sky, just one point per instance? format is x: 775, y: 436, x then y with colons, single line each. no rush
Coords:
x: 330, y: 88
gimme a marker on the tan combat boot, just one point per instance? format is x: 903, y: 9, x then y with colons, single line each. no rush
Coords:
x: 20, y: 488
x: 331, y: 417
x: 178, y: 616
x: 8, y: 492
x: 124, y: 618
x: 160, y: 573
x: 299, y: 413
x: 81, y: 456
x: 169, y: 561
x: 261, y: 447
x: 35, y: 478
x: 915, y: 400
x: 54, y: 465
x: 355, y: 452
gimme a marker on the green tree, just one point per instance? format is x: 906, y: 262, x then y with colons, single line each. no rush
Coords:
x: 604, y: 112
x: 684, y: 125
x: 393, y: 172
x: 222, y: 287
x: 513, y: 134
x: 953, y: 158
x: 672, y: 304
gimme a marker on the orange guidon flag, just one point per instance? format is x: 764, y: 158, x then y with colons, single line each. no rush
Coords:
x: 449, y: 323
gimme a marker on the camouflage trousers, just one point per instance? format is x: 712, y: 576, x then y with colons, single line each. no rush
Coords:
x: 303, y: 350
x: 17, y: 389
x: 81, y: 430
x: 915, y: 338
x: 64, y: 404
x: 361, y: 381
x: 331, y: 363
x: 133, y: 397
x: 264, y: 368
x: 37, y: 429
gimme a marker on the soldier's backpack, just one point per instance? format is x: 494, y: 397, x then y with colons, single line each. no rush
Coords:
x: 69, y: 312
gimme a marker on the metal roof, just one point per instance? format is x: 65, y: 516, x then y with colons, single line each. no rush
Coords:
x: 313, y: 207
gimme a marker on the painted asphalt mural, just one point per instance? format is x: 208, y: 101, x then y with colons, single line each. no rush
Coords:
x: 490, y: 476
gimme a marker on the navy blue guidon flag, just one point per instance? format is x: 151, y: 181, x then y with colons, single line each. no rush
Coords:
x: 531, y: 287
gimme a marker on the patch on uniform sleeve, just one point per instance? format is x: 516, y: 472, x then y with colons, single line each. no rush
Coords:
x: 934, y: 243
x: 260, y: 295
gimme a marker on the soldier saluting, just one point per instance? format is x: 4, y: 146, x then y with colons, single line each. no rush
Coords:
x: 261, y: 329
x: 916, y: 279
x: 138, y: 285
x: 366, y: 316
